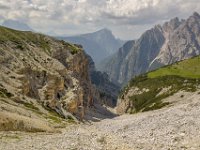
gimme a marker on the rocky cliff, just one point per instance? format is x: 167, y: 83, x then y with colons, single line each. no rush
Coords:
x: 162, y: 45
x: 37, y: 70
x: 107, y: 90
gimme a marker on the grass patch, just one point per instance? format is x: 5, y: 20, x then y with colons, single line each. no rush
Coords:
x: 10, y: 137
x: 188, y: 69
x: 151, y: 100
x: 30, y: 105
x: 55, y: 119
x: 59, y: 119
x: 70, y: 119
x: 184, y: 75
x: 53, y: 115
x: 5, y: 94
x: 22, y: 38
x: 102, y: 140
x: 73, y: 49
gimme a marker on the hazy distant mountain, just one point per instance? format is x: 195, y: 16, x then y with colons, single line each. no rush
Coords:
x: 17, y: 25
x: 162, y: 45
x: 108, y: 91
x: 98, y: 45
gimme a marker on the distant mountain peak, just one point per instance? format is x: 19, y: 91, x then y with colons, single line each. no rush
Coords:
x: 99, y: 45
x: 105, y: 31
x: 17, y: 25
x: 162, y: 45
x: 195, y: 14
x: 175, y: 20
x: 172, y: 24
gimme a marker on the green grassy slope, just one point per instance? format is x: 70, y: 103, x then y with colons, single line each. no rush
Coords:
x: 184, y: 75
x: 23, y: 38
x: 188, y: 68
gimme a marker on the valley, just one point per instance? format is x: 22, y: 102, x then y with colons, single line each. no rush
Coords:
x: 174, y: 127
x: 84, y: 92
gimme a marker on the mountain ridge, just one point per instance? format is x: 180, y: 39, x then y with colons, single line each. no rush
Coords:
x: 98, y: 45
x: 16, y: 25
x: 162, y: 45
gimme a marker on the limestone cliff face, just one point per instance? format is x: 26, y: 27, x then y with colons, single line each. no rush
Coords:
x: 162, y: 45
x: 52, y: 72
x: 182, y: 41
x: 106, y: 91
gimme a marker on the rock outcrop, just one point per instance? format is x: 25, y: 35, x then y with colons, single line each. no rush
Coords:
x: 162, y: 45
x: 107, y: 91
x: 52, y: 73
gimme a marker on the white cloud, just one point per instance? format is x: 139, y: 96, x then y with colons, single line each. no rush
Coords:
x: 76, y: 16
x: 128, y: 8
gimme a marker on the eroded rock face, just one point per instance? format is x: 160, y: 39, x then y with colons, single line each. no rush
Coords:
x: 182, y: 41
x: 106, y: 90
x: 52, y: 72
x: 162, y: 45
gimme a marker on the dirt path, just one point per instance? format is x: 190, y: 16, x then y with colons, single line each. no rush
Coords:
x: 176, y: 127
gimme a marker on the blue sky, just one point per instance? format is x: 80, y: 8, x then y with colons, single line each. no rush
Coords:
x: 126, y: 18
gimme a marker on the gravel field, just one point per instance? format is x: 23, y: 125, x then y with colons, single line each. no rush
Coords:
x: 172, y: 128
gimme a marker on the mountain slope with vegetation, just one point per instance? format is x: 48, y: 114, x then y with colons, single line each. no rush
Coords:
x: 43, y: 79
x: 147, y: 92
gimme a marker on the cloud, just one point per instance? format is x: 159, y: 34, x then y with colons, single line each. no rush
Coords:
x: 76, y: 16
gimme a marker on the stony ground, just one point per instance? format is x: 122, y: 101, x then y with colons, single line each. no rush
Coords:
x: 173, y: 128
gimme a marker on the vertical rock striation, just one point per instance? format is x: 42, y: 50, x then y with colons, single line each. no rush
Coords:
x: 162, y: 45
x: 52, y: 72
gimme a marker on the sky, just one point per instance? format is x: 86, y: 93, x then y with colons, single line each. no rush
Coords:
x: 127, y: 19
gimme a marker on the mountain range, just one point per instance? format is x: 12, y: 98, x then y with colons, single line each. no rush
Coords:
x: 98, y: 45
x: 162, y: 45
x: 52, y: 86
x: 17, y: 25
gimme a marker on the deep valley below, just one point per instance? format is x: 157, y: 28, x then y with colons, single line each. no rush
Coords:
x: 174, y: 127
